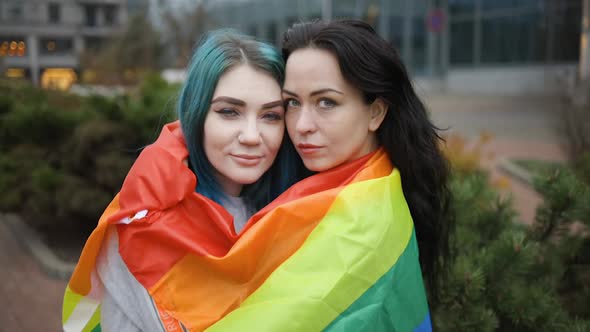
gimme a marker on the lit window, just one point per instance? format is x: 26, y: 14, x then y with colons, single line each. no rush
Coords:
x: 58, y: 78
x: 51, y: 45
x: 12, y: 46
x: 15, y: 73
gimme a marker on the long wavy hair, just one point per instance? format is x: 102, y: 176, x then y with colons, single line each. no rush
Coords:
x: 216, y: 53
x: 372, y: 65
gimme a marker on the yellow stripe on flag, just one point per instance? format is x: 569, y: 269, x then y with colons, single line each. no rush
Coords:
x: 361, y: 237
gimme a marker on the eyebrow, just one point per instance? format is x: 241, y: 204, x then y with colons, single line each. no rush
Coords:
x: 239, y: 102
x: 273, y: 104
x: 317, y: 92
x: 229, y: 100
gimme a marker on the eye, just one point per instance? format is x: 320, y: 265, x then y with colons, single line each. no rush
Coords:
x: 326, y: 103
x: 291, y: 103
x: 227, y: 112
x: 272, y: 116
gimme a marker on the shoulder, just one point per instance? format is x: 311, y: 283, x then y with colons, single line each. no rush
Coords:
x: 159, y: 178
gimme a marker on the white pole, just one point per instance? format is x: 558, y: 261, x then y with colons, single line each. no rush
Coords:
x: 33, y: 50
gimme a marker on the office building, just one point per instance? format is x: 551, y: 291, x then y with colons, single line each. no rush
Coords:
x: 42, y: 40
x: 471, y: 46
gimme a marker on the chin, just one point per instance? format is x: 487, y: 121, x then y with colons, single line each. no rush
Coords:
x: 246, y: 180
x: 315, y: 166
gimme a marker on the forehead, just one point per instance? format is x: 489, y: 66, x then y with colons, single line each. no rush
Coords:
x: 315, y: 67
x: 247, y: 83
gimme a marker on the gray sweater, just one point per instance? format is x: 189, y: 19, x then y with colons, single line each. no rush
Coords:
x: 126, y: 305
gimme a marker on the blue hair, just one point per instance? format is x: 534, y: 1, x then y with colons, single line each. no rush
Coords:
x: 217, y: 52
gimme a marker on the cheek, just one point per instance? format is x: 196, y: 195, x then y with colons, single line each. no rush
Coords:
x: 213, y: 138
x: 290, y: 121
x: 273, y: 135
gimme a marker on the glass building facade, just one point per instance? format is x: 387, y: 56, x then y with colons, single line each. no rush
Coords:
x: 433, y: 36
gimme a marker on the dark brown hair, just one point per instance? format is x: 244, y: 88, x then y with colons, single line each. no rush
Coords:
x: 373, y: 66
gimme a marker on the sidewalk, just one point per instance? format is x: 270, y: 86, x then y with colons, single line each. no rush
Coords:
x: 525, y: 198
x: 521, y: 128
x: 31, y: 300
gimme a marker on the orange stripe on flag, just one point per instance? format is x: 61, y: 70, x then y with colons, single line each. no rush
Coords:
x: 80, y: 281
x: 203, y: 289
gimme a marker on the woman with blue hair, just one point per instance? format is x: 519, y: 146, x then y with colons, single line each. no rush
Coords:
x: 190, y: 193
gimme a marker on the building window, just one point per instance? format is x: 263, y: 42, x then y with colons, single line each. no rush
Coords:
x: 49, y: 45
x: 516, y: 32
x: 90, y: 15
x: 508, y: 4
x: 460, y: 7
x: 461, y: 52
x: 109, y: 15
x: 54, y: 12
x: 396, y: 25
x: 419, y: 48
x: 17, y: 73
x: 512, y: 39
x: 563, y: 37
x: 13, y: 46
x: 271, y: 32
x: 14, y: 11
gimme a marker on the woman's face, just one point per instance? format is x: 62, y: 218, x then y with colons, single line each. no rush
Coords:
x: 244, y: 127
x: 327, y: 118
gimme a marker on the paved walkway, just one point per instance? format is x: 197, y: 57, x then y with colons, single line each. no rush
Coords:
x: 520, y: 127
x: 31, y: 301
x: 525, y: 198
x: 523, y: 128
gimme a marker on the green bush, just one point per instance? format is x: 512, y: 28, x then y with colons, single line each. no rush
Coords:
x: 64, y: 157
x: 507, y: 276
x: 581, y: 166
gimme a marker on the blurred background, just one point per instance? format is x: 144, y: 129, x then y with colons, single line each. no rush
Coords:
x: 530, y: 46
x: 85, y: 84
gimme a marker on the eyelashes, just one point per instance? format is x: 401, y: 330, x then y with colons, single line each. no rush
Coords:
x: 322, y: 103
x: 291, y: 103
x: 229, y: 113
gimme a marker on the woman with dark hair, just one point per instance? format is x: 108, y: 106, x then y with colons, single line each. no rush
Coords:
x: 349, y: 88
x: 347, y: 96
x: 188, y: 194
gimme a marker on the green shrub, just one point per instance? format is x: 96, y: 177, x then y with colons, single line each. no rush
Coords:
x: 64, y: 157
x: 507, y: 276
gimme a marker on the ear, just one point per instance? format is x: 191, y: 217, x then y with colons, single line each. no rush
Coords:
x: 378, y: 110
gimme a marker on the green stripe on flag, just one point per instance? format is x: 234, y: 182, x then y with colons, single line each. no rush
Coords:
x: 361, y: 237
x: 397, y: 302
x: 94, y: 322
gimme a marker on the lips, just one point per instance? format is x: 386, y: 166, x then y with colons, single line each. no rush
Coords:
x: 246, y: 159
x: 308, y: 149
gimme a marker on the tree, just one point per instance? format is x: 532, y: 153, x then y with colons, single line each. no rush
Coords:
x: 138, y: 49
x: 182, y: 29
x: 511, y: 277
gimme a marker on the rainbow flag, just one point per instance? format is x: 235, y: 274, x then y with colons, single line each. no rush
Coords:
x: 336, y: 252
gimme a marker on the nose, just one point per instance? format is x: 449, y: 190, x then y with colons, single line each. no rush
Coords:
x: 250, y: 135
x: 305, y: 122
